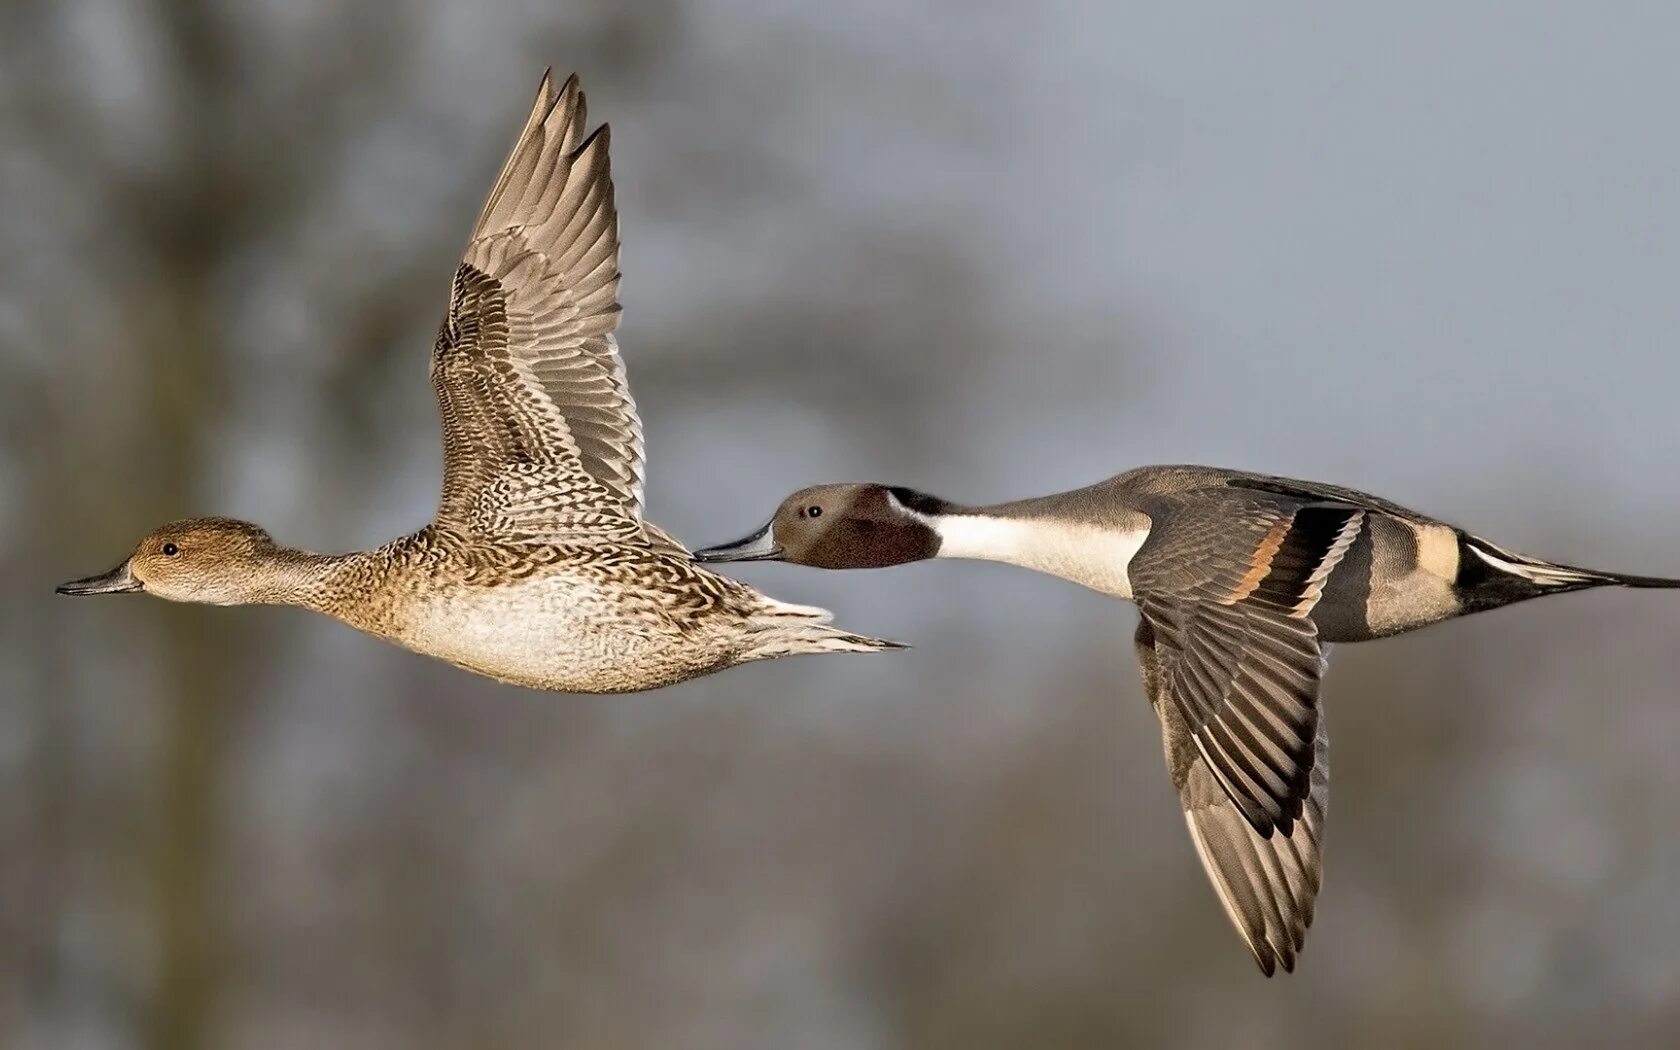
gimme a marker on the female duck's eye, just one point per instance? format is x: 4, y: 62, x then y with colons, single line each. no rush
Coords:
x: 813, y: 512
x: 170, y: 550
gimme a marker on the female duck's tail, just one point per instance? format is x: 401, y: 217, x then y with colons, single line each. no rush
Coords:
x: 782, y: 629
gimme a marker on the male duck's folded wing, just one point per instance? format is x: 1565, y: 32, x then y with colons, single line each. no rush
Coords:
x: 541, y: 437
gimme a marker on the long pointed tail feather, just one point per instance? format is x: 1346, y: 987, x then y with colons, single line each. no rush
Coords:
x: 1624, y: 580
x: 1551, y: 575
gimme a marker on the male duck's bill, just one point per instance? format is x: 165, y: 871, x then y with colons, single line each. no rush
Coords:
x: 120, y: 580
x: 760, y: 546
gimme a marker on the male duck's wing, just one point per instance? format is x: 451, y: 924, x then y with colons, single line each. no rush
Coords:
x: 1226, y: 582
x: 541, y: 438
x: 1268, y: 886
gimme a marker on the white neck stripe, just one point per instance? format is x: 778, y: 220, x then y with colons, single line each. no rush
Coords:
x: 1090, y: 555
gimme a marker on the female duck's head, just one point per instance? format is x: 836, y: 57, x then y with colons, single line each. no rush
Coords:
x: 214, y: 560
x: 851, y: 526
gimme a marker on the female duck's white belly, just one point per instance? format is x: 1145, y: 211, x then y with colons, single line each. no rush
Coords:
x: 555, y: 632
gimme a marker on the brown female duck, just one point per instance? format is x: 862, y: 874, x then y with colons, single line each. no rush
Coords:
x: 540, y: 568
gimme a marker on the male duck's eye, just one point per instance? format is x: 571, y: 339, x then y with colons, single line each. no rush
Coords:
x: 813, y: 512
x: 170, y: 550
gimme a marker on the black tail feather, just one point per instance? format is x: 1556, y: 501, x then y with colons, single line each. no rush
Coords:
x: 1618, y: 579
x: 1490, y: 576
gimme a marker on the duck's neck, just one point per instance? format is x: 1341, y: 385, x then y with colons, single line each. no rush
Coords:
x: 1092, y: 553
x: 303, y: 578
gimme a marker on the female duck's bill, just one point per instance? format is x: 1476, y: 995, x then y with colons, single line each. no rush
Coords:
x: 120, y: 580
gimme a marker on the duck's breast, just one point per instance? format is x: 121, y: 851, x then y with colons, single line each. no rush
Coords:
x: 560, y: 631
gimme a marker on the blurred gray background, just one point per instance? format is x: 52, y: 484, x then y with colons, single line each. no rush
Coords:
x: 989, y: 250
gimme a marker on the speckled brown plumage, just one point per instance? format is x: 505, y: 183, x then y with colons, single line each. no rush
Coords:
x: 539, y: 569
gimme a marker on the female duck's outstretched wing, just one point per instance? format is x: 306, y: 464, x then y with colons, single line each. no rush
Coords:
x: 541, y: 438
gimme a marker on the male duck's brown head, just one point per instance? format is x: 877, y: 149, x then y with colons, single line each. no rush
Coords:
x: 214, y: 560
x: 850, y: 526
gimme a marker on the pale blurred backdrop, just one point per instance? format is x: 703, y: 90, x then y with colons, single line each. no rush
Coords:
x: 989, y: 250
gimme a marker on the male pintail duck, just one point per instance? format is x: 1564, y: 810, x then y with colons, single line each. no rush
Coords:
x: 1243, y: 581
x: 540, y: 569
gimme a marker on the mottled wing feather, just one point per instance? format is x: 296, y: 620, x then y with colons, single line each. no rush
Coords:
x: 1227, y: 582
x: 1268, y: 886
x: 541, y: 436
